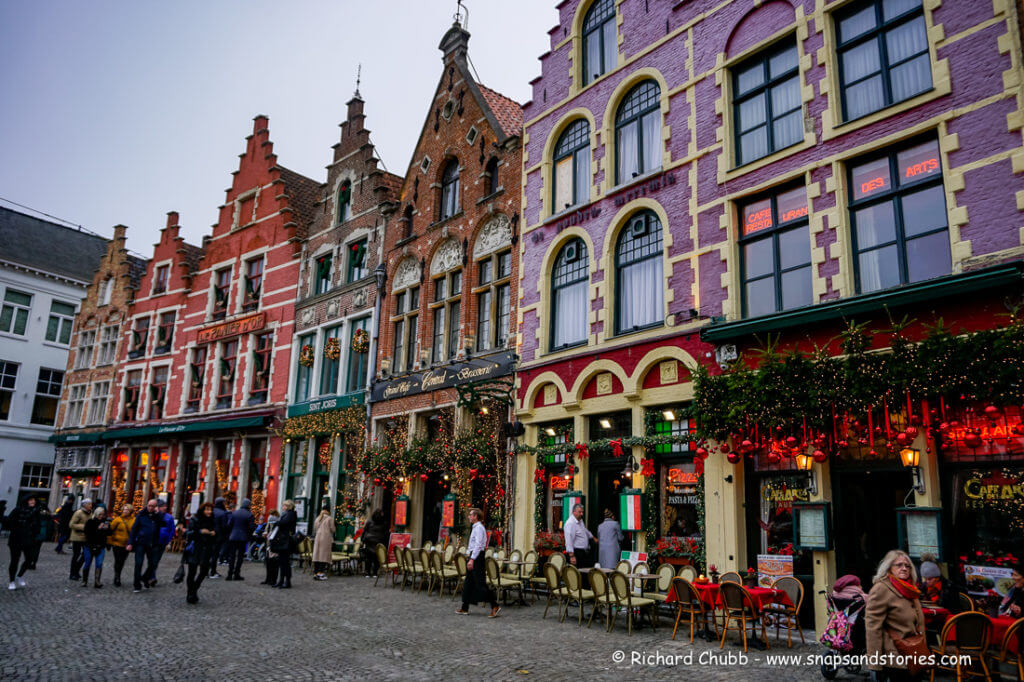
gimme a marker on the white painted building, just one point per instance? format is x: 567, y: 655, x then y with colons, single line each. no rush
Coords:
x: 44, y: 270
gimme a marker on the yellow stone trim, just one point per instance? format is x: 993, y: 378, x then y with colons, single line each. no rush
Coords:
x: 539, y: 382
x: 544, y: 282
x: 547, y: 162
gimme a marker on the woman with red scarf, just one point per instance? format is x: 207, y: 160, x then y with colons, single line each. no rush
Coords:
x: 893, y: 609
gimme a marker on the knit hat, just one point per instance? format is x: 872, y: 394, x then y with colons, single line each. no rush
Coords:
x: 930, y: 569
x: 246, y: 503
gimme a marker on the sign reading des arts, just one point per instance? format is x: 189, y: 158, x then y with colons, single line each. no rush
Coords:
x: 477, y: 369
x: 243, y: 325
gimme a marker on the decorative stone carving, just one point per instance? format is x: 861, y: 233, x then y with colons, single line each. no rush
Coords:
x: 332, y: 308
x: 550, y: 394
x: 495, y: 234
x: 447, y: 257
x: 604, y: 383
x: 407, y: 273
x: 669, y: 371
x: 360, y: 298
x: 307, y: 317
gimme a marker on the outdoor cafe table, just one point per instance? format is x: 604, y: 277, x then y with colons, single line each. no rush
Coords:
x: 642, y: 578
x: 1000, y: 625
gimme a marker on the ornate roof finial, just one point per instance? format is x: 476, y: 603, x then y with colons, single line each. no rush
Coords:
x: 359, y: 76
x: 461, y: 14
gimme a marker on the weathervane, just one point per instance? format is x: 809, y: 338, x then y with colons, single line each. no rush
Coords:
x: 461, y: 14
x: 359, y: 76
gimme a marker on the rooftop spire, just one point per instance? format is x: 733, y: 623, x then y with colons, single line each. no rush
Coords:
x: 359, y: 76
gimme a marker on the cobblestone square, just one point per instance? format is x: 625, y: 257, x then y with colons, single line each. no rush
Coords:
x: 343, y: 628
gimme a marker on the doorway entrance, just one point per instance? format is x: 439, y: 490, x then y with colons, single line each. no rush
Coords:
x: 865, y: 518
x: 606, y: 483
x: 433, y: 494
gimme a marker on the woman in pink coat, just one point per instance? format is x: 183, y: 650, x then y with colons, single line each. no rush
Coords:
x: 323, y: 541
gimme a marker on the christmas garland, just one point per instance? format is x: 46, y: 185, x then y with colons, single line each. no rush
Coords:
x: 350, y: 420
x: 604, y: 446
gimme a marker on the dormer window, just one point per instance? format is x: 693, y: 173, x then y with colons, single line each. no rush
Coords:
x: 450, y: 190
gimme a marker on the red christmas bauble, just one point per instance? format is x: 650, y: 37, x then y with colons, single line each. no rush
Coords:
x: 991, y: 411
x: 733, y: 457
x: 944, y: 426
x: 902, y: 439
x: 424, y: 477
x: 819, y: 456
x: 747, y: 446
x: 954, y: 424
x: 972, y: 440
x: 820, y: 442
x: 376, y: 481
x: 873, y: 453
x: 843, y: 443
x: 702, y: 453
x: 792, y: 442
x: 911, y: 432
x: 774, y: 457
x: 724, y: 447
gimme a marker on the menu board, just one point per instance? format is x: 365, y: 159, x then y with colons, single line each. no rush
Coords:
x: 812, y: 528
x: 920, y: 531
x: 401, y: 511
x: 397, y: 540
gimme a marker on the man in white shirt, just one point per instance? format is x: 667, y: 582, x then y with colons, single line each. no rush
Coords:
x: 475, y: 589
x: 577, y: 539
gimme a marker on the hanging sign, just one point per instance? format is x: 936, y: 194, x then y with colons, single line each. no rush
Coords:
x: 448, y: 511
x: 570, y: 500
x: 629, y: 509
x: 401, y: 511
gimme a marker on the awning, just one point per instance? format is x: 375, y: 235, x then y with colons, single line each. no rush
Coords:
x: 191, y: 427
x: 72, y: 438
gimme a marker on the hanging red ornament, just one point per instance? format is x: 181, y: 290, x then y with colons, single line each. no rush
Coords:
x: 773, y: 457
x: 746, y: 446
x: 473, y: 472
x: 972, y: 440
x: 820, y: 442
x: 376, y: 481
x: 911, y: 432
x: 991, y: 411
x: 647, y: 467
x: 902, y: 439
x: 724, y: 447
x: 581, y: 451
x: 873, y: 453
x: 616, y: 447
x: 702, y: 453
x: 943, y: 427
x: 820, y: 456
x: 733, y: 457
x: 843, y: 443
x: 424, y: 477
x: 698, y: 466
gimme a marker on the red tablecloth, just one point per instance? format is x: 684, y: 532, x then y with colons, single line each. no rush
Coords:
x: 710, y: 595
x: 935, y: 616
x: 999, y: 627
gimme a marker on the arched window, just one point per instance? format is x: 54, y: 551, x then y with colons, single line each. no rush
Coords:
x: 570, y: 282
x: 450, y: 190
x: 638, y: 132
x: 491, y: 173
x: 571, y: 184
x: 344, y: 202
x: 600, y: 41
x: 639, y: 289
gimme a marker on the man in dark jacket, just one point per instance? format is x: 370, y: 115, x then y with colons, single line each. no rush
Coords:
x: 64, y: 522
x: 166, y: 535
x: 220, y: 524
x: 240, y: 530
x: 143, y: 540
x: 23, y: 523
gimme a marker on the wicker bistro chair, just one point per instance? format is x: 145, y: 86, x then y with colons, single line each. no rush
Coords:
x: 602, y: 597
x: 428, y: 545
x: 529, y: 578
x: 576, y: 592
x: 739, y: 608
x: 688, y: 602
x: 500, y: 555
x: 385, y: 565
x: 623, y: 567
x: 488, y: 552
x: 499, y: 583
x: 443, y: 575
x: 306, y: 554
x: 731, y: 577
x: 627, y: 601
x: 558, y: 560
x: 449, y: 554
x: 688, y: 572
x: 787, y: 617
x: 461, y: 569
x: 513, y: 572
x: 414, y: 569
x: 556, y: 593
x: 965, y: 602
x: 1002, y: 653
x: 427, y: 566
x: 973, y: 632
x: 665, y: 575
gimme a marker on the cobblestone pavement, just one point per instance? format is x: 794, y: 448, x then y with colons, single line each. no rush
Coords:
x: 343, y: 628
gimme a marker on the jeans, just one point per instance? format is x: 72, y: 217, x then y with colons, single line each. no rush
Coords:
x: 16, y: 553
x: 120, y: 556
x: 158, y: 554
x: 61, y: 540
x: 76, y: 559
x: 143, y: 553
x: 236, y: 552
x: 96, y: 553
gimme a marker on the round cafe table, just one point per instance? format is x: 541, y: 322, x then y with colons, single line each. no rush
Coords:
x: 999, y: 627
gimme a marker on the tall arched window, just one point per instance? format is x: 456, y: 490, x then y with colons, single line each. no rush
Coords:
x: 600, y: 41
x: 639, y: 289
x: 571, y: 183
x: 450, y: 190
x: 569, y: 287
x: 638, y: 132
x: 344, y: 202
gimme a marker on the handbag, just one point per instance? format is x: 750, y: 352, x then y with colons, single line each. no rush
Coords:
x: 179, y: 575
x: 916, y: 649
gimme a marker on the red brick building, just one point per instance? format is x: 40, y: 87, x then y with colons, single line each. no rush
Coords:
x: 203, y: 379
x: 448, y: 316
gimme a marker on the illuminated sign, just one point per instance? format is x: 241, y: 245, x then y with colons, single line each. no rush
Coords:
x: 757, y: 220
x: 993, y: 489
x: 926, y: 166
x: 234, y: 328
x: 560, y: 483
x: 873, y: 184
x: 677, y: 476
x: 793, y: 214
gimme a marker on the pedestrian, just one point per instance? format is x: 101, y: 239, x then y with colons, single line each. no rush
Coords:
x: 475, y: 589
x: 893, y: 610
x: 45, y: 525
x: 281, y: 544
x: 375, y: 532
x: 23, y: 524
x: 577, y: 539
x: 64, y: 513
x: 97, y: 530
x: 142, y: 540
x: 270, y: 558
x: 323, y: 541
x: 77, y: 525
x: 120, y: 529
x: 201, y: 540
x: 240, y: 530
x: 220, y: 519
x: 166, y: 535
x: 609, y: 535
x: 1013, y: 604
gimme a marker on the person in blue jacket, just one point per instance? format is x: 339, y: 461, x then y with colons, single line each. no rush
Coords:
x: 240, y: 531
x: 166, y: 535
x: 143, y: 540
x: 220, y: 524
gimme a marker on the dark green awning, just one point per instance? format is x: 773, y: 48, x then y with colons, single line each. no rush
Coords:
x: 70, y: 438
x: 192, y: 427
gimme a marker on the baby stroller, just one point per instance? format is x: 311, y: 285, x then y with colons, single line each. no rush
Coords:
x: 844, y: 633
x: 257, y: 549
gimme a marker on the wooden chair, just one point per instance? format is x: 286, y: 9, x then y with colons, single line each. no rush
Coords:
x: 499, y: 583
x: 461, y: 568
x: 602, y: 597
x: 500, y: 555
x: 428, y: 545
x: 1002, y: 654
x: 574, y: 586
x: 973, y: 631
x: 739, y: 608
x: 627, y: 601
x: 688, y: 573
x: 641, y: 567
x: 731, y: 577
x: 787, y: 616
x: 965, y: 602
x: 488, y: 552
x: 514, y: 572
x: 688, y: 602
x: 384, y: 564
x: 556, y: 593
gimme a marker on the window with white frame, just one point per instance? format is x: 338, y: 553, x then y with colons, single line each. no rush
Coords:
x: 639, y: 289
x: 58, y: 327
x: 8, y: 378
x: 14, y: 312
x: 76, y: 403
x: 600, y: 40
x: 98, y: 403
x: 44, y: 407
x: 494, y: 301
x: 86, y: 343
x: 446, y: 310
x: 160, y: 279
x: 35, y: 476
x: 404, y: 322
x: 105, y: 292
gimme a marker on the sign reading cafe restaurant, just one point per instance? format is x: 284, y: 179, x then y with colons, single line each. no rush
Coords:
x: 476, y: 369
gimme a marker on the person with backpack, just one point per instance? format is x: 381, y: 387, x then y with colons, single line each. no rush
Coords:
x: 23, y: 524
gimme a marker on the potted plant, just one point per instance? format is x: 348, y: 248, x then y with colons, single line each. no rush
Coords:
x: 674, y: 550
x: 547, y: 543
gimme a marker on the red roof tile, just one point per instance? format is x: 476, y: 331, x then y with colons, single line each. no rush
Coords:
x: 507, y: 111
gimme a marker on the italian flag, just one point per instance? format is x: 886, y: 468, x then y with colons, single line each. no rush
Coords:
x: 629, y: 508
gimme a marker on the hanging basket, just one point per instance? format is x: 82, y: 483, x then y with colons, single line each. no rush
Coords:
x: 361, y: 341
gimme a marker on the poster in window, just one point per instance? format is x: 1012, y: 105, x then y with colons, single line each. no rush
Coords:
x: 771, y: 567
x: 988, y: 581
x: 448, y: 511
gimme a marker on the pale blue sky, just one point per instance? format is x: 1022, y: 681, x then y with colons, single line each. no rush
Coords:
x: 119, y: 111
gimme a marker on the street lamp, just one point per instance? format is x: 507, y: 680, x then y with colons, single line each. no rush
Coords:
x: 911, y: 458
x: 380, y: 276
x: 803, y: 463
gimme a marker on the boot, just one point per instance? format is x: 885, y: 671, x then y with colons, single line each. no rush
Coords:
x: 287, y: 583
x: 117, y: 580
x: 96, y: 581
x: 85, y: 578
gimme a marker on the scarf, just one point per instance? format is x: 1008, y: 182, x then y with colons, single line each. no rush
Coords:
x: 905, y: 589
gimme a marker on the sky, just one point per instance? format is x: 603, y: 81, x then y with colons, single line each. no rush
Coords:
x: 116, y: 112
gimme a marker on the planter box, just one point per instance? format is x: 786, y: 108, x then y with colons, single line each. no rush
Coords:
x: 675, y: 560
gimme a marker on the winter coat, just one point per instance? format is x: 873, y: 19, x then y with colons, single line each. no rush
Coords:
x: 97, y: 532
x: 64, y: 515
x: 888, y: 611
x: 374, y: 534
x: 167, y: 532
x: 23, y: 522
x: 220, y: 520
x: 609, y: 536
x: 78, y: 520
x: 241, y: 525
x: 146, y: 529
x: 282, y: 541
x: 323, y: 538
x: 203, y: 545
x: 120, y: 528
